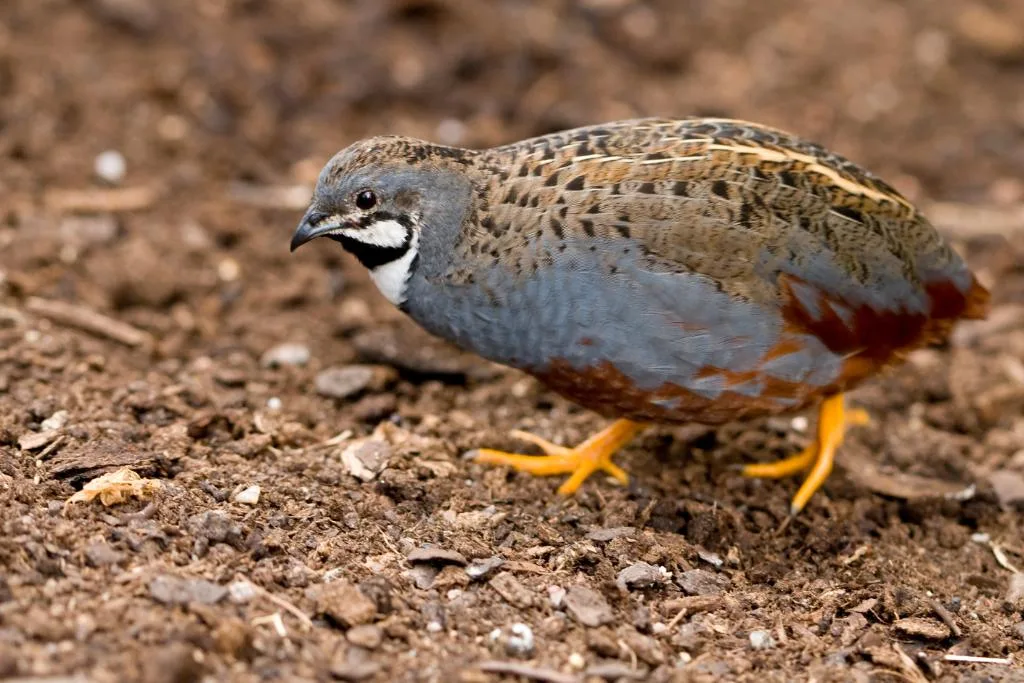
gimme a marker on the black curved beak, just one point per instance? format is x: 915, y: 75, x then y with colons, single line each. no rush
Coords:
x: 314, y: 224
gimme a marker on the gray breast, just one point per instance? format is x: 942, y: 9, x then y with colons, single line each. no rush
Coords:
x: 599, y: 302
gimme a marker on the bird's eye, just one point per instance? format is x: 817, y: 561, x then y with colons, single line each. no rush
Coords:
x: 366, y: 200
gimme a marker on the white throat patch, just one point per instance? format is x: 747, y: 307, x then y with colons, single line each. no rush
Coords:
x: 389, y: 234
x: 392, y: 277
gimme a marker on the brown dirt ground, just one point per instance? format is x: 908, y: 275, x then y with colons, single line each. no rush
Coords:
x: 395, y: 578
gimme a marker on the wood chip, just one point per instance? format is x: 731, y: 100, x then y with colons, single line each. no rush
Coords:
x: 610, y: 533
x: 32, y: 441
x: 88, y: 460
x: 531, y: 672
x: 111, y: 200
x: 514, y: 592
x: 89, y: 321
x: 946, y: 617
x: 616, y: 671
x: 917, y: 627
x: 115, y: 487
x: 587, y: 606
x: 693, y: 604
x: 902, y: 485
x: 439, y: 556
x: 864, y: 606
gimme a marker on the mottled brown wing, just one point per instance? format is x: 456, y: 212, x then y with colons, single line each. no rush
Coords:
x: 766, y: 216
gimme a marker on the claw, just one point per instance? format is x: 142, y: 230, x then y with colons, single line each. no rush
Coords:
x: 833, y: 421
x: 594, y: 454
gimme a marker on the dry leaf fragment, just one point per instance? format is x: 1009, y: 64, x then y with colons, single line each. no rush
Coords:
x: 115, y: 487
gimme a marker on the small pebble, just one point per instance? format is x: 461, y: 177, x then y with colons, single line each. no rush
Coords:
x: 343, y: 382
x: 481, y: 569
x: 249, y: 495
x: 512, y: 590
x: 640, y: 575
x: 1015, y: 591
x: 344, y: 604
x: 1018, y: 630
x: 101, y: 555
x: 434, y: 627
x: 576, y: 661
x: 1007, y: 485
x: 365, y: 635
x: 172, y: 590
x: 761, y: 640
x: 350, y: 666
x: 364, y: 459
x: 710, y: 557
x: 556, y: 595
x: 110, y: 166
x: 423, y: 575
x: 587, y: 606
x: 285, y: 354
x: 520, y: 643
x: 228, y: 270
x: 241, y: 592
x: 274, y: 403
x: 702, y: 582
x: 55, y: 421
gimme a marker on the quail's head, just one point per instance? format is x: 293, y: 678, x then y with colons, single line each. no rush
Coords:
x: 384, y: 199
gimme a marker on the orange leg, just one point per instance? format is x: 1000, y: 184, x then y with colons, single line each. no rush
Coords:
x: 833, y: 421
x: 590, y: 456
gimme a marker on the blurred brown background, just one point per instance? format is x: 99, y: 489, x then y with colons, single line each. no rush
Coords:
x: 154, y: 159
x: 201, y: 91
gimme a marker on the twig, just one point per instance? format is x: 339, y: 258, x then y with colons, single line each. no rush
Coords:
x: 531, y: 672
x: 89, y: 321
x: 294, y: 197
x: 675, y: 620
x: 978, y: 660
x: 275, y: 621
x: 282, y: 603
x: 947, y: 618
x: 51, y: 448
x: 1001, y: 558
x: 101, y: 201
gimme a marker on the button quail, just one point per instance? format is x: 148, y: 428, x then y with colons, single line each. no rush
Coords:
x: 654, y: 271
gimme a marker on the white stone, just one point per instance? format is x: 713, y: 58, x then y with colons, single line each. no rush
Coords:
x: 249, y: 495
x: 110, y: 166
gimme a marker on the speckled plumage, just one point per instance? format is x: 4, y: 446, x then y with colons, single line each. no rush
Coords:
x: 660, y: 270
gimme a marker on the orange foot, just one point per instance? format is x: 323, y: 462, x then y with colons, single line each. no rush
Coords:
x: 590, y: 456
x: 833, y: 421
